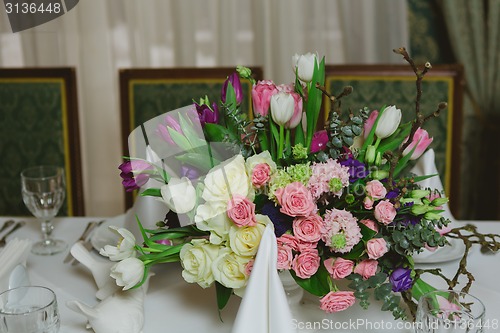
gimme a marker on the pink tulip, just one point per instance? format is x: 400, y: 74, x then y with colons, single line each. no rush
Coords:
x: 162, y: 128
x: 297, y: 111
x: 422, y: 140
x: 261, y: 97
x: 369, y: 123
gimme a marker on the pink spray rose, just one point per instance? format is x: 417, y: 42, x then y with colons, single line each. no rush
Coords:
x: 376, y: 248
x: 339, y: 268
x: 289, y: 240
x: 422, y: 140
x: 261, y: 174
x: 336, y: 301
x: 368, y: 203
x: 385, y: 212
x: 241, y: 211
x: 375, y: 189
x: 306, y: 264
x: 285, y: 257
x: 295, y: 200
x: 370, y: 224
x: 261, y: 97
x: 366, y: 268
x: 308, y: 229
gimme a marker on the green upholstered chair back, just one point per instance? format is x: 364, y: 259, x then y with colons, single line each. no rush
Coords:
x: 38, y: 125
x: 147, y: 93
x: 377, y: 85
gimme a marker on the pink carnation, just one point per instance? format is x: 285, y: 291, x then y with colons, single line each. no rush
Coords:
x: 241, y: 211
x: 323, y: 173
x: 308, y: 229
x: 306, y: 264
x: 370, y: 224
x: 336, y: 301
x: 261, y: 174
x: 376, y: 248
x: 375, y: 189
x: 339, y: 268
x: 366, y: 268
x: 341, y: 225
x: 285, y: 257
x: 385, y: 212
x: 295, y: 200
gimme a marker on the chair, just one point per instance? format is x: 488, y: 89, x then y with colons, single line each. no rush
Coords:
x: 39, y: 125
x: 147, y: 93
x: 377, y: 85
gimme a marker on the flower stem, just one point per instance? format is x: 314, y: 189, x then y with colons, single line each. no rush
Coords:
x: 281, y: 141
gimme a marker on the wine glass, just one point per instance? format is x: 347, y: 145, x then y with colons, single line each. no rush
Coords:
x: 43, y: 190
x: 449, y: 311
x: 29, y: 309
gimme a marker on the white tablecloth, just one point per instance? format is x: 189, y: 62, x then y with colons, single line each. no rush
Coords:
x: 172, y: 305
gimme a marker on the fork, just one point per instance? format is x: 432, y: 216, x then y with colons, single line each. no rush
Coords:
x: 17, y: 225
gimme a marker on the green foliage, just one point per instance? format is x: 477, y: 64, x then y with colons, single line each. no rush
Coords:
x: 316, y: 284
x: 342, y: 133
x: 223, y: 295
x: 409, y: 239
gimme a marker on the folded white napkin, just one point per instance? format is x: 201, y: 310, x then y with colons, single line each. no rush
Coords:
x: 426, y: 165
x: 264, y: 307
x: 14, y: 253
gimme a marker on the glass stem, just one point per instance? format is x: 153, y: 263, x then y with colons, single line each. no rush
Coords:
x: 47, y: 228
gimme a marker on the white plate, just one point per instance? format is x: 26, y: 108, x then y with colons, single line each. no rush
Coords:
x: 104, y: 236
x: 455, y: 250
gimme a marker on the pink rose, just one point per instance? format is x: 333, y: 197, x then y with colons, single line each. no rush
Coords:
x: 339, y: 268
x: 285, y: 257
x: 306, y: 264
x: 376, y: 248
x: 366, y: 268
x: 261, y: 174
x: 295, y: 200
x: 368, y: 203
x: 261, y: 97
x: 241, y: 211
x: 248, y: 267
x: 289, y: 240
x: 302, y: 246
x: 336, y: 301
x: 308, y: 229
x: 375, y: 189
x: 370, y: 224
x: 385, y: 212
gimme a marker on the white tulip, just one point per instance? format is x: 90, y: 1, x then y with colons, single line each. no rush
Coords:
x: 304, y: 65
x: 128, y: 272
x: 125, y: 247
x: 282, y: 107
x: 179, y: 195
x: 388, y: 122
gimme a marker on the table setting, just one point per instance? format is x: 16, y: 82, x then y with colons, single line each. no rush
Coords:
x: 235, y: 229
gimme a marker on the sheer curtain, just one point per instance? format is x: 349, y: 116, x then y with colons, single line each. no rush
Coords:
x: 100, y: 37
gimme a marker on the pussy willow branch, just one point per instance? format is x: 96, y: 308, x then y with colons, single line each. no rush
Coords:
x: 345, y: 92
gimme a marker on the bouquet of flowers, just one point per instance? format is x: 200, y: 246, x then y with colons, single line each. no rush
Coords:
x: 338, y: 198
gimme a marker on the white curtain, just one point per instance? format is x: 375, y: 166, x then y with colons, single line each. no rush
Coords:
x: 100, y: 37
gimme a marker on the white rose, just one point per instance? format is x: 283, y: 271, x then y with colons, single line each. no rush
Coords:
x: 263, y: 157
x: 388, y: 122
x: 227, y: 179
x: 179, y: 195
x: 213, y: 217
x: 128, y: 272
x: 244, y: 241
x: 304, y: 65
x: 196, y: 259
x: 229, y: 269
x: 125, y: 247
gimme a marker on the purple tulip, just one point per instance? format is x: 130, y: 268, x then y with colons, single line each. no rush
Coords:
x: 319, y: 141
x: 238, y: 91
x: 207, y: 114
x: 134, y: 174
x: 401, y: 279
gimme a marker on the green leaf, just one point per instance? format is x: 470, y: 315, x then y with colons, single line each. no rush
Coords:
x: 314, y: 99
x: 366, y: 232
x: 403, y: 161
x: 190, y: 133
x: 203, y: 162
x: 151, y: 192
x: 370, y: 137
x: 218, y: 133
x: 223, y: 295
x: 377, y: 279
x: 179, y: 139
x: 316, y: 284
x: 420, y: 178
x: 420, y: 287
x: 395, y: 140
x: 356, y: 252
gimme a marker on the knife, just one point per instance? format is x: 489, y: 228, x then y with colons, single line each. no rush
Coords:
x: 84, y: 237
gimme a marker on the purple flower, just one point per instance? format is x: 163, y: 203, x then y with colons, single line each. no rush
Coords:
x: 401, y: 279
x: 134, y: 174
x: 207, y: 114
x: 282, y: 222
x: 238, y: 91
x: 190, y: 172
x: 319, y: 141
x: 357, y: 170
x: 393, y: 194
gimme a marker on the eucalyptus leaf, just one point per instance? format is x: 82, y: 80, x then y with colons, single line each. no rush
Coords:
x: 223, y: 295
